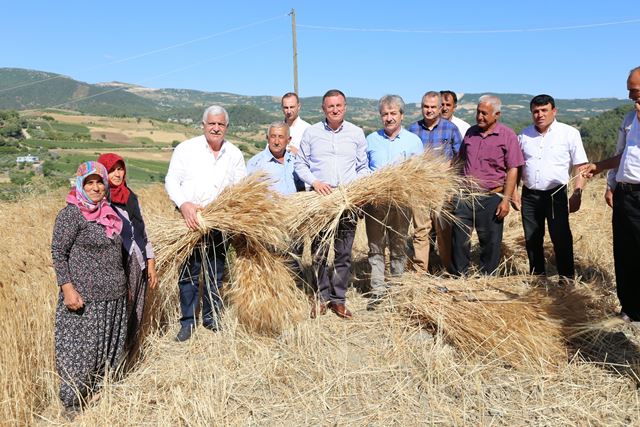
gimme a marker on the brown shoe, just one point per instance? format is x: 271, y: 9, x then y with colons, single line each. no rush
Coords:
x: 340, y: 310
x: 318, y: 308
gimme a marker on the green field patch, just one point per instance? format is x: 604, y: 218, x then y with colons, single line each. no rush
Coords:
x: 143, y: 140
x: 70, y: 128
x: 146, y: 170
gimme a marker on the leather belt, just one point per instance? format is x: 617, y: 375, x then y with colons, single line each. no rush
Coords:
x: 624, y: 186
x: 551, y: 190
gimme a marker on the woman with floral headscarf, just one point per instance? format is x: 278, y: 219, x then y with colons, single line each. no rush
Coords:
x: 139, y: 259
x: 91, y: 314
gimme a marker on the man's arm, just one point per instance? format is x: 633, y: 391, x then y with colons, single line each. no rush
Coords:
x: 302, y: 166
x: 175, y: 176
x: 516, y: 201
x: 239, y: 168
x: 173, y: 184
x: 509, y: 186
x: 362, y: 160
x: 590, y: 169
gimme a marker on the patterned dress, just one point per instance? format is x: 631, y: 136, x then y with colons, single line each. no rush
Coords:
x: 91, y: 340
x: 137, y: 250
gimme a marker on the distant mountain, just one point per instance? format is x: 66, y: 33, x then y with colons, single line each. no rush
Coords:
x: 22, y: 89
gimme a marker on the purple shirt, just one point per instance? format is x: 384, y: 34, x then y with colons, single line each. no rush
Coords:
x: 488, y: 158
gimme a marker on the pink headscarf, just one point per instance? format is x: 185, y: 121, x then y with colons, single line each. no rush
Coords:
x: 100, y: 212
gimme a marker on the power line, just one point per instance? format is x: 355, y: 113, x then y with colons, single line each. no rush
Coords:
x: 195, y: 64
x: 152, y: 52
x: 495, y: 31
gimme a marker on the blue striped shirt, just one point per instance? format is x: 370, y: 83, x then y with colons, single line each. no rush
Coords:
x: 444, y: 136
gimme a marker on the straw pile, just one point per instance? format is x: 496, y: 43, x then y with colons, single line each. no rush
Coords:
x: 487, y: 318
x: 263, y: 293
x: 421, y: 182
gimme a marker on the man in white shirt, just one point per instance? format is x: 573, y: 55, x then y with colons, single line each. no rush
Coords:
x: 551, y: 151
x: 449, y: 105
x: 626, y: 204
x: 199, y: 170
x: 291, y: 108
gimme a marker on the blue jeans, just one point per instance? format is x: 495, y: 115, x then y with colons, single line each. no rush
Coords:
x: 209, y: 254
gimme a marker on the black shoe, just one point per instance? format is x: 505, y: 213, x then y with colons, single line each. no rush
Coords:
x: 184, y: 334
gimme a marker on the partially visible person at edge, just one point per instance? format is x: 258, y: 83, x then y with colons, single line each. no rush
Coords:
x: 333, y: 152
x: 623, y: 194
x: 441, y: 136
x: 388, y: 225
x: 449, y: 106
x: 139, y: 260
x: 491, y: 155
x: 199, y: 170
x: 551, y: 151
x: 91, y: 314
x: 290, y: 104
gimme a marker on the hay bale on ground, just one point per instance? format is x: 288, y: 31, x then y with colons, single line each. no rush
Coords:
x: 487, y: 317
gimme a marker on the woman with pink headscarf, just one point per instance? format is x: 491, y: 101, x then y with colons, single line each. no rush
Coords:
x: 91, y: 314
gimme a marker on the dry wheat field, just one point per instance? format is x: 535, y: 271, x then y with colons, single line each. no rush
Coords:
x: 439, y: 351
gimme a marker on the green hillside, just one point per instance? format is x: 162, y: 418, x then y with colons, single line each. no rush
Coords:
x: 124, y: 100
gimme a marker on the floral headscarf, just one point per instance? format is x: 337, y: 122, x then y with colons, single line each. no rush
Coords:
x: 100, y: 212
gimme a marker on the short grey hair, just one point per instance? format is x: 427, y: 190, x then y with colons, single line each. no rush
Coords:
x: 214, y: 110
x: 278, y: 125
x: 433, y: 94
x: 493, y: 100
x: 391, y: 100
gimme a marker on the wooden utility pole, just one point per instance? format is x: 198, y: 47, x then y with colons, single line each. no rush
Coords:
x: 295, y: 51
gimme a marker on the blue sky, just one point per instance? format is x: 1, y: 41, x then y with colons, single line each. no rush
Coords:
x: 365, y: 48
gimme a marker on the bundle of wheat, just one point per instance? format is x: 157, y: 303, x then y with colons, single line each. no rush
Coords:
x: 262, y: 292
x: 421, y: 182
x: 247, y: 209
x: 493, y: 317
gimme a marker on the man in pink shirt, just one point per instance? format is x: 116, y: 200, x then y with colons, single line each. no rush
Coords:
x: 490, y: 155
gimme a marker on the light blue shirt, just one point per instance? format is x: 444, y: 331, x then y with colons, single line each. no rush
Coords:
x: 281, y: 174
x: 382, y: 151
x: 333, y: 157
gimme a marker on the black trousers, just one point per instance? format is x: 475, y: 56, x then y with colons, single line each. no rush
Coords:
x: 481, y: 215
x: 626, y: 247
x: 552, y: 206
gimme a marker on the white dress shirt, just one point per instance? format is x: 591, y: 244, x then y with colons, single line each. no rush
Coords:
x: 462, y: 126
x: 629, y: 169
x: 296, y: 130
x: 196, y: 176
x: 549, y: 158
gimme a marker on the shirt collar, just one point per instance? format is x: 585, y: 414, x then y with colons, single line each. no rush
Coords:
x: 223, y: 147
x: 267, y: 153
x: 385, y: 136
x: 425, y: 127
x: 327, y: 127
